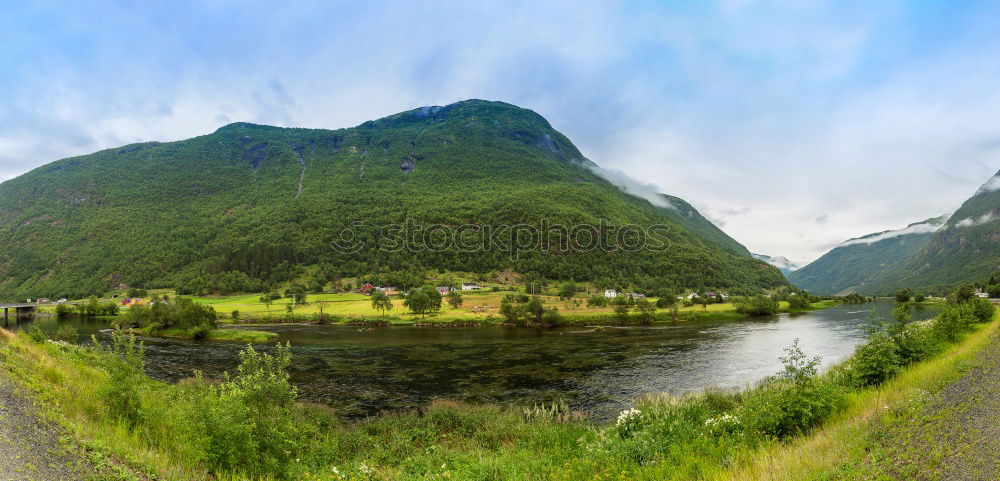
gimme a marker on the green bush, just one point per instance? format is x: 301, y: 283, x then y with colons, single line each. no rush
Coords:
x: 875, y: 361
x: 125, y: 363
x: 799, y: 302
x: 36, y: 334
x: 66, y: 333
x: 552, y: 317
x: 795, y: 401
x: 981, y: 310
x: 759, y: 305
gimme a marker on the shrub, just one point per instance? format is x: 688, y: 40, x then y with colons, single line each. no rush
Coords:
x: 981, y: 310
x: 876, y: 361
x: 756, y: 306
x: 795, y: 401
x: 952, y: 321
x: 799, y: 302
x: 235, y: 315
x: 66, y: 333
x: 621, y: 310
x: 552, y: 317
x: 64, y: 310
x: 124, y: 362
x: 200, y: 331
x: 36, y: 334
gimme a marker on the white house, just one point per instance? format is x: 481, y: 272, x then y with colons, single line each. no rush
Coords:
x: 983, y: 294
x: 471, y: 286
x: 610, y: 293
x: 692, y: 295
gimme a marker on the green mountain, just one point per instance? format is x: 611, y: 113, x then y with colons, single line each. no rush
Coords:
x: 250, y: 206
x: 966, y: 249
x: 856, y: 264
x: 931, y: 256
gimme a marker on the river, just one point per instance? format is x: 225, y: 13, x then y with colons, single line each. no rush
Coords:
x: 361, y: 371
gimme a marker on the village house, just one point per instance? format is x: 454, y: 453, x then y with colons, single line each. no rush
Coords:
x: 611, y: 293
x: 366, y: 288
x: 443, y: 290
x: 43, y: 300
x: 388, y: 290
x: 982, y: 293
x: 471, y: 286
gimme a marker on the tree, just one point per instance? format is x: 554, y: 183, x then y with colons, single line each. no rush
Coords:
x: 666, y: 300
x: 418, y: 302
x: 568, y: 290
x: 381, y: 302
x: 511, y: 309
x: 622, y: 311
x: 646, y: 310
x: 903, y: 295
x: 964, y: 293
x: 455, y: 299
x: 297, y: 293
x: 535, y: 308
x: 267, y: 301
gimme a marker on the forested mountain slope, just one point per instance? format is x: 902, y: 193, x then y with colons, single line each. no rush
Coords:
x: 855, y: 264
x: 930, y: 256
x: 252, y: 205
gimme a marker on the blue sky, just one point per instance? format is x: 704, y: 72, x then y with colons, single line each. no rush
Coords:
x: 792, y: 124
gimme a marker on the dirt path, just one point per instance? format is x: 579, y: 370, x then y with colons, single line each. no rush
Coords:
x: 952, y: 433
x: 29, y: 447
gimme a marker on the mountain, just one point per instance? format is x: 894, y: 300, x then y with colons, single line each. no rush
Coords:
x: 965, y: 249
x: 471, y: 186
x: 931, y: 256
x: 857, y: 263
x: 782, y: 263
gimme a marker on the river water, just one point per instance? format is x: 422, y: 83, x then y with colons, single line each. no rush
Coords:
x: 361, y: 371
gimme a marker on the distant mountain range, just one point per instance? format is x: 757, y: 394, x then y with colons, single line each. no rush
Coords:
x: 932, y: 255
x: 251, y: 206
x: 782, y: 263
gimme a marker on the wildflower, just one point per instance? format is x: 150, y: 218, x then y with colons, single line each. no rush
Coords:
x: 627, y: 416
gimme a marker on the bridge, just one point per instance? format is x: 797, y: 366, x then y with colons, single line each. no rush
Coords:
x: 19, y: 309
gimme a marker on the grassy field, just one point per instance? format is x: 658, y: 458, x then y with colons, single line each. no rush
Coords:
x: 235, y: 335
x: 358, y: 306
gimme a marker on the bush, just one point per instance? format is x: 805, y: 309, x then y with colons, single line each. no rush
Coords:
x: 235, y: 315
x: 125, y: 363
x: 876, y: 361
x: 799, y: 302
x: 981, y: 310
x: 756, y: 306
x: 66, y: 333
x: 200, y: 331
x: 795, y: 401
x: 64, y: 310
x: 953, y: 321
x: 36, y: 334
x: 552, y: 317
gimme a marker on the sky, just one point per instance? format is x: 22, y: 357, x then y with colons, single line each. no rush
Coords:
x: 793, y: 125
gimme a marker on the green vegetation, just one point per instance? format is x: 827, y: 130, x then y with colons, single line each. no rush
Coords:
x: 248, y: 425
x: 221, y: 213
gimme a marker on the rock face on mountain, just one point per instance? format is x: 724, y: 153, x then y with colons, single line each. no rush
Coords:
x: 933, y: 255
x: 250, y: 206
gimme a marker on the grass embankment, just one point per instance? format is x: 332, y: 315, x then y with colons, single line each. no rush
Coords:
x: 236, y: 335
x: 841, y: 448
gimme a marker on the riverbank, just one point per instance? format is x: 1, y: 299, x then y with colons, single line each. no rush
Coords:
x: 177, y: 436
x: 224, y: 334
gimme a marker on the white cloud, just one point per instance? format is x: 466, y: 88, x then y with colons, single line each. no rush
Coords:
x: 892, y: 234
x: 974, y: 221
x: 628, y: 184
x: 990, y: 185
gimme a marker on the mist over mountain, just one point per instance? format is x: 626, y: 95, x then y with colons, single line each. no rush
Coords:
x: 932, y: 255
